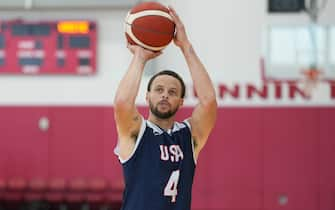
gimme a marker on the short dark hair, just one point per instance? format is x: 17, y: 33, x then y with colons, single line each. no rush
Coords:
x: 172, y: 74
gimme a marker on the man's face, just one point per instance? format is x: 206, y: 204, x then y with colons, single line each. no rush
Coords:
x: 164, y: 97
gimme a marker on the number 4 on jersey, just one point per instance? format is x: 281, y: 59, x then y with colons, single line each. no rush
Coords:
x: 171, y: 187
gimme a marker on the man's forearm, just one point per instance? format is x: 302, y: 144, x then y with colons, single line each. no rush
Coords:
x: 201, y: 80
x: 130, y: 83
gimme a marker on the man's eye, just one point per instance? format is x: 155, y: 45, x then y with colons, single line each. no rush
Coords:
x: 172, y: 92
x: 159, y: 89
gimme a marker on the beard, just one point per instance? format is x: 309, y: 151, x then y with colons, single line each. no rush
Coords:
x: 162, y: 115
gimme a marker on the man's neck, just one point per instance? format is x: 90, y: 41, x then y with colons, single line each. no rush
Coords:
x: 165, y: 124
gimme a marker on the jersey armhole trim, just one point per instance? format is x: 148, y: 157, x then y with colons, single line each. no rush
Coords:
x: 192, y: 140
x: 138, y: 139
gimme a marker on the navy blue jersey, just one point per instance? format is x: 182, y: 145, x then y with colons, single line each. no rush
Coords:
x: 159, y: 173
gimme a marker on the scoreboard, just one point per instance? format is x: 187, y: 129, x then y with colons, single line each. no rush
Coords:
x: 48, y: 47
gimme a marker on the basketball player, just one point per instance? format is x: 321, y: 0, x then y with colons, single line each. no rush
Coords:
x: 158, y: 155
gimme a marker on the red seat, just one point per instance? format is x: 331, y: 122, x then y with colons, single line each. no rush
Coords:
x: 114, y: 193
x: 36, y: 189
x: 17, y: 183
x: 56, y: 188
x: 77, y: 190
x: 2, y: 188
x: 37, y: 184
x: 2, y: 184
x: 96, y: 189
x: 15, y: 188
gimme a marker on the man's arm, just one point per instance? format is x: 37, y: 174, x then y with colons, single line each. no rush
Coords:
x: 204, y: 115
x: 127, y: 118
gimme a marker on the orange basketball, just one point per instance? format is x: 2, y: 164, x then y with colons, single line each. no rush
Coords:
x: 149, y: 25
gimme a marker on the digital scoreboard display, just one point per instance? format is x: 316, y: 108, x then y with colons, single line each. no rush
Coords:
x: 48, y: 47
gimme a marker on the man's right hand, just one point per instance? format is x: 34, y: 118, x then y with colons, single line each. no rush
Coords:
x: 142, y: 53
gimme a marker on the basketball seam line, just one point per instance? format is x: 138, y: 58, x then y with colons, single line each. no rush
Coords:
x: 149, y: 30
x: 132, y: 17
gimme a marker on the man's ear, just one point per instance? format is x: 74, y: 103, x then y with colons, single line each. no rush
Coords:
x: 147, y: 97
x: 181, y: 103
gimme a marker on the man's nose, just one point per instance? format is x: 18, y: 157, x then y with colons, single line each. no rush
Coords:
x: 165, y: 95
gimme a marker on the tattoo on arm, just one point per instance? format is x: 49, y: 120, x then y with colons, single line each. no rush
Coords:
x: 134, y: 134
x: 136, y: 118
x: 195, y: 144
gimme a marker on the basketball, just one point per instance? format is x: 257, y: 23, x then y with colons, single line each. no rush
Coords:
x: 150, y: 26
